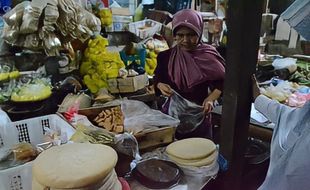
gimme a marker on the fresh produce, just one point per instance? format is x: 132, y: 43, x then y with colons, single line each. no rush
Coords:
x: 151, y: 62
x: 154, y: 46
x: 93, y: 135
x: 35, y: 91
x: 99, y: 64
x: 105, y: 16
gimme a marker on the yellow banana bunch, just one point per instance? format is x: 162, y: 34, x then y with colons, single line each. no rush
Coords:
x: 99, y: 64
x: 151, y: 62
x: 105, y: 16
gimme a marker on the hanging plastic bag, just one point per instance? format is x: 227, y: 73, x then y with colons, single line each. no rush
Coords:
x: 191, y: 115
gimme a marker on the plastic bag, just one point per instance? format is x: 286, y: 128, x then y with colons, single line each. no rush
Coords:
x: 138, y: 117
x: 8, y: 133
x: 191, y: 115
x: 127, y: 144
x: 30, y: 19
x: 202, y: 172
x: 289, y: 63
x: 15, y: 16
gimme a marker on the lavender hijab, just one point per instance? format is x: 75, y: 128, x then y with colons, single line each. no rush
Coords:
x: 189, y: 68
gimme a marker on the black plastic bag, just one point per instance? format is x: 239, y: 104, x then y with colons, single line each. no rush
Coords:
x: 191, y: 115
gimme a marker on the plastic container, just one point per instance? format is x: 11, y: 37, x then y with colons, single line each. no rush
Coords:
x: 145, y: 28
x: 31, y: 130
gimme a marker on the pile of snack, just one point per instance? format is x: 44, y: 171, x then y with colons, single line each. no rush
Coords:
x: 111, y: 119
x: 48, y: 24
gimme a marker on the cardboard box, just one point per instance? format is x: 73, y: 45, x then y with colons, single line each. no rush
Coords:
x: 120, y: 11
x: 129, y: 84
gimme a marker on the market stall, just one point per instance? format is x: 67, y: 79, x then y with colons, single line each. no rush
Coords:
x: 77, y: 76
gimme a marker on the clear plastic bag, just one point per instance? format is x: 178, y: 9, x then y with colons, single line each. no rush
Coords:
x: 8, y: 134
x: 191, y: 115
x: 30, y: 20
x: 15, y: 16
x: 128, y: 145
x: 138, y: 117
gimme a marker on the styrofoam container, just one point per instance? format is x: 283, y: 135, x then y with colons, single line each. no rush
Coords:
x: 145, y: 28
x: 32, y: 131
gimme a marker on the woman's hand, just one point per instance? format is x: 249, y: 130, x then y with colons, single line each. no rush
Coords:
x: 207, y: 106
x: 165, y: 89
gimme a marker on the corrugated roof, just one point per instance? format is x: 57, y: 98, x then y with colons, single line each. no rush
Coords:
x: 298, y: 17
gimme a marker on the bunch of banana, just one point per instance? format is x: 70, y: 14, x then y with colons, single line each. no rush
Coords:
x: 105, y: 16
x: 151, y: 62
x: 99, y: 64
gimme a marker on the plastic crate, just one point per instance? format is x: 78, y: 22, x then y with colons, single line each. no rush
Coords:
x: 32, y: 131
x: 145, y: 28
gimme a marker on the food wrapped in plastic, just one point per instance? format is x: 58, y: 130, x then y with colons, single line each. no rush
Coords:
x: 24, y: 152
x: 10, y: 33
x: 51, y: 15
x: 30, y: 20
x: 90, y: 21
x: 15, y: 16
x: 32, y: 41
x: 52, y: 44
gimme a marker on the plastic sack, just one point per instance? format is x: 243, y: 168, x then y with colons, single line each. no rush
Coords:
x: 139, y: 117
x: 289, y: 63
x: 191, y: 115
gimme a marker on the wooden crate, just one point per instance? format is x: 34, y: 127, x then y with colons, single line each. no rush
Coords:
x: 129, y: 84
x: 147, y: 139
x: 155, y: 138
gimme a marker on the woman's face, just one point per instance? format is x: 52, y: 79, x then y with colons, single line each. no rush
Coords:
x: 186, y: 38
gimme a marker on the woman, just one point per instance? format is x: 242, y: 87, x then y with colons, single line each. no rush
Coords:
x: 192, y: 69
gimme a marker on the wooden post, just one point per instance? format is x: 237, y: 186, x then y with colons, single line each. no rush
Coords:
x: 244, y: 20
